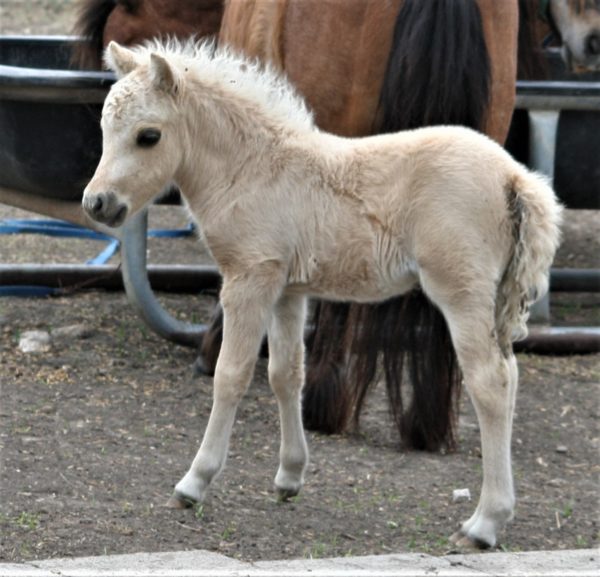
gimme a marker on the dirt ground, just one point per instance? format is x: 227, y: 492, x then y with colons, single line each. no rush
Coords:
x: 94, y: 434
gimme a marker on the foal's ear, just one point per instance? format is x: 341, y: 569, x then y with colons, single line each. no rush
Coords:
x: 120, y: 59
x: 163, y: 75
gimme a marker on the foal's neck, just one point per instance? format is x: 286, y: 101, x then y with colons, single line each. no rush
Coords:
x: 229, y: 148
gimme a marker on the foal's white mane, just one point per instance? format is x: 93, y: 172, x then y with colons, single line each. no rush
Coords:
x: 234, y: 74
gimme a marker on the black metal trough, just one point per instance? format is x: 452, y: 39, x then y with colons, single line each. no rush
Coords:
x: 50, y: 142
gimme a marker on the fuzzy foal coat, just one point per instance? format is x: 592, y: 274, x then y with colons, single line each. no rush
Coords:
x: 365, y: 218
x: 290, y: 211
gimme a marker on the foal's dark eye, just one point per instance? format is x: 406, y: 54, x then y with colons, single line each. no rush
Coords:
x: 148, y: 137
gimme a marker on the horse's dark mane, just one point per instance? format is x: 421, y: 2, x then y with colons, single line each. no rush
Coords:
x: 526, y: 66
x: 531, y: 64
x: 90, y: 23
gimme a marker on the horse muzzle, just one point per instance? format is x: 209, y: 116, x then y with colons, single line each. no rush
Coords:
x: 592, y: 50
x: 104, y: 207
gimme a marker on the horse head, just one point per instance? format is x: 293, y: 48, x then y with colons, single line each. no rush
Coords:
x: 140, y: 155
x: 578, y: 23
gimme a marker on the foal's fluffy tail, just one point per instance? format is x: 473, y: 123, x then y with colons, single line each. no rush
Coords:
x: 535, y: 217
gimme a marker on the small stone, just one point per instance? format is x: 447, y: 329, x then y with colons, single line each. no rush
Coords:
x: 46, y: 409
x: 71, y: 333
x: 461, y: 495
x: 556, y: 482
x: 34, y: 342
x: 561, y: 449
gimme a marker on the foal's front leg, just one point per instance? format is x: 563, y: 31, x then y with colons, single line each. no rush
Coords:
x: 286, y: 377
x: 246, y: 312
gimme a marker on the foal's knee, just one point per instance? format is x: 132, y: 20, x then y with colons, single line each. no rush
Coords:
x: 230, y: 383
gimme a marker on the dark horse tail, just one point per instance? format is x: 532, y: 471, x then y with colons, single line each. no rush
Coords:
x: 438, y: 73
x: 532, y: 64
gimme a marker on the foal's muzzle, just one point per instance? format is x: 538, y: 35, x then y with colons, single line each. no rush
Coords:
x: 592, y: 44
x: 105, y: 208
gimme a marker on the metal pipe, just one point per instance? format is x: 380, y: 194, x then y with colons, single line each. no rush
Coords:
x: 560, y: 341
x: 578, y: 280
x: 55, y: 208
x: 558, y: 95
x: 166, y: 278
x: 139, y: 291
x: 542, y: 146
x: 197, y: 278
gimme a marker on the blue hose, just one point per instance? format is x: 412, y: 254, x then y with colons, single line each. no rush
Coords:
x: 61, y: 228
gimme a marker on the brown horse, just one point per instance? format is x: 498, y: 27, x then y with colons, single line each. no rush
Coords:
x: 577, y: 24
x: 574, y: 25
x: 367, y: 68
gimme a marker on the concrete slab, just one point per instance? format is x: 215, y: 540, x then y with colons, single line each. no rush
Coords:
x: 177, y: 564
x: 560, y: 563
x: 543, y: 563
x: 23, y: 570
x: 580, y: 563
x: 413, y: 564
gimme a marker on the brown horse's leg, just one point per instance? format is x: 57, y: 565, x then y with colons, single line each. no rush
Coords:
x: 211, y: 345
x: 500, y: 28
x: 327, y: 400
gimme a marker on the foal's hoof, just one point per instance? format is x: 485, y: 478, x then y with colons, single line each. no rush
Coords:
x: 284, y: 495
x: 465, y: 542
x: 180, y: 501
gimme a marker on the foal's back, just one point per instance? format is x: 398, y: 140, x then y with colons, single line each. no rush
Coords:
x: 392, y: 204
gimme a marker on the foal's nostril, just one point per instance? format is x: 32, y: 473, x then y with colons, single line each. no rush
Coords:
x: 592, y: 44
x: 98, y: 204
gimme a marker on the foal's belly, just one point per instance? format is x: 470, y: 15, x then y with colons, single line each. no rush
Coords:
x: 361, y: 266
x: 357, y: 289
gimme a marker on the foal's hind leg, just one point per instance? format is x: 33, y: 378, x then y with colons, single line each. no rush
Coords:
x: 495, y: 409
x: 286, y: 377
x: 490, y: 377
